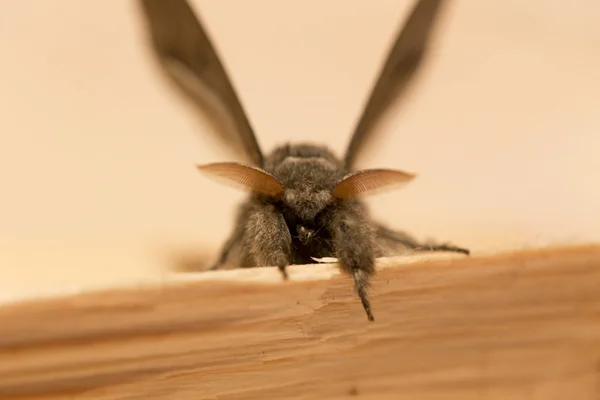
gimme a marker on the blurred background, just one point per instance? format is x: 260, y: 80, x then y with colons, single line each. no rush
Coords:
x: 98, y: 153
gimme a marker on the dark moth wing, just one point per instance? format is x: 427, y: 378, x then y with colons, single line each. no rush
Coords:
x: 403, y: 61
x: 187, y: 56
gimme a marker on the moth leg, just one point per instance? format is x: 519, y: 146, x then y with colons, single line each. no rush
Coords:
x: 268, y: 241
x: 233, y: 240
x: 354, y: 243
x: 394, y: 239
x: 443, y: 247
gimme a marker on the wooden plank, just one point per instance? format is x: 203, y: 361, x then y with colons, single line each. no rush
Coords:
x: 513, y: 326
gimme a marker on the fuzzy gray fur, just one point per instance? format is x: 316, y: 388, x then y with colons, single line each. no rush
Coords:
x: 307, y: 221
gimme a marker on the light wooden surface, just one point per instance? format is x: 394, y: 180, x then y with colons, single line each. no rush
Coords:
x: 513, y: 326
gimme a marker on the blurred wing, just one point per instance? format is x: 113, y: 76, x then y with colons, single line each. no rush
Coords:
x: 186, y: 54
x: 403, y: 61
x: 368, y: 181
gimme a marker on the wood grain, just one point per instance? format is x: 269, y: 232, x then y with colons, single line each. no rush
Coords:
x: 513, y: 326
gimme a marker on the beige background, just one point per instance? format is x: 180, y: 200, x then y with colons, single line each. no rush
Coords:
x: 97, y: 153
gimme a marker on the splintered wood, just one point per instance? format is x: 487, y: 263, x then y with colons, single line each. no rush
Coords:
x: 513, y: 326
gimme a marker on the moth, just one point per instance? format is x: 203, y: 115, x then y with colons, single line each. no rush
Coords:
x: 304, y: 202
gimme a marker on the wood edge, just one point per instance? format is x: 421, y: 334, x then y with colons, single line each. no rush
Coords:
x: 272, y: 276
x: 121, y: 331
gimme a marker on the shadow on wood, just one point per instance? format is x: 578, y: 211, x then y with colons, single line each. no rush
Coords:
x: 513, y: 326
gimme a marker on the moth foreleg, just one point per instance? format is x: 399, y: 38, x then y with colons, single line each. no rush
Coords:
x: 268, y: 241
x: 354, y: 241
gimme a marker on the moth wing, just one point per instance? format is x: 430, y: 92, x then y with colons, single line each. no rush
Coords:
x: 368, y: 181
x: 402, y: 63
x: 185, y: 52
x: 246, y: 177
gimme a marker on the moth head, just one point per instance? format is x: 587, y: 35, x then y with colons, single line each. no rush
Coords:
x: 245, y: 177
x: 369, y: 181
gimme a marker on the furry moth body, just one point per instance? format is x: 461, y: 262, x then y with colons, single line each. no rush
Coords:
x: 304, y: 202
